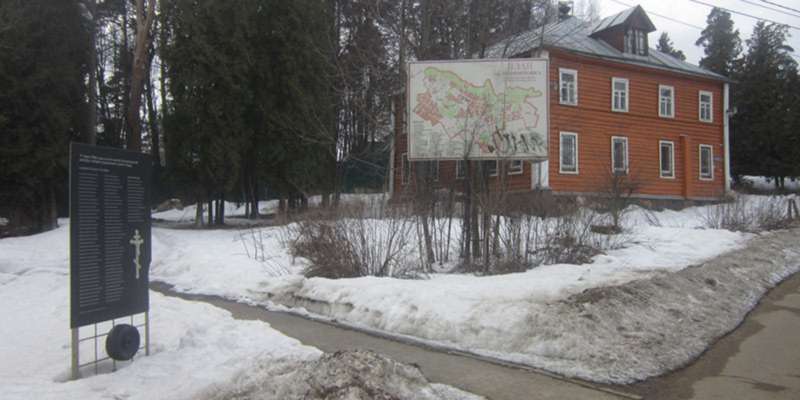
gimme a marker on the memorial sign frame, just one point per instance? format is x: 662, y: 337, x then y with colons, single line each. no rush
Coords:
x: 110, y: 244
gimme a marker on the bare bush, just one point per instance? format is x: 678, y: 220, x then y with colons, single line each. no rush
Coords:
x: 748, y: 214
x: 355, y: 240
x: 254, y: 244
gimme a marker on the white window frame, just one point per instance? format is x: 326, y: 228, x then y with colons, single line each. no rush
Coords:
x: 461, y: 170
x: 614, y: 94
x: 405, y: 178
x: 671, y: 145
x: 561, y: 170
x: 561, y: 73
x: 514, y: 170
x: 627, y: 154
x: 710, y: 95
x: 671, y: 100
x: 710, y: 176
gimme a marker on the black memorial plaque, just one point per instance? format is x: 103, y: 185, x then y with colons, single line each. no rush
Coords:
x: 109, y: 233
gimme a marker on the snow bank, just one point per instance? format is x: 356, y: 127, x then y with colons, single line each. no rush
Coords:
x: 612, y: 332
x: 343, y: 375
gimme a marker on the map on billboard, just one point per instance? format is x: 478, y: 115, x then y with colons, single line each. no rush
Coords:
x: 479, y: 109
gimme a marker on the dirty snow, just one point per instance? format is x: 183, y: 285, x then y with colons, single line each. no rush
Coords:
x: 195, y: 346
x: 342, y: 375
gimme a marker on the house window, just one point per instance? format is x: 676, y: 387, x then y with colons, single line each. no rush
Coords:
x: 490, y: 167
x: 568, y: 159
x: 666, y: 155
x: 405, y: 169
x: 706, y: 106
x: 619, y: 155
x: 515, y: 167
x: 619, y: 96
x: 432, y: 168
x: 636, y: 42
x: 706, y: 162
x: 461, y: 169
x: 666, y: 101
x: 568, y: 84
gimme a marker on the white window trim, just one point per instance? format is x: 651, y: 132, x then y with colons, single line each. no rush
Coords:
x: 463, y: 171
x: 627, y: 94
x: 574, y: 73
x: 405, y: 179
x: 512, y: 172
x: 627, y: 153
x: 700, y: 162
x: 561, y: 149
x: 672, y: 159
x: 672, y: 101
x: 700, y: 106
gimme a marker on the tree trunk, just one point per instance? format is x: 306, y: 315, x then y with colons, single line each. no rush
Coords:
x: 141, y: 44
x: 91, y: 88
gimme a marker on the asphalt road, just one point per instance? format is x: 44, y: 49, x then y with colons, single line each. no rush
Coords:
x: 760, y: 360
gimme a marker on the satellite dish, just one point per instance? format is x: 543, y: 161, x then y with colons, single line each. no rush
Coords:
x: 122, y: 342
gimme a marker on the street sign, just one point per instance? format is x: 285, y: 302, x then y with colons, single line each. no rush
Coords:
x: 109, y: 233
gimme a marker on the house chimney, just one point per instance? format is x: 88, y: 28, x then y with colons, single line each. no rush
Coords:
x: 565, y: 10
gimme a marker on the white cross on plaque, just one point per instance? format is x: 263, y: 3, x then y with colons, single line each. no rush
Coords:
x: 137, y: 242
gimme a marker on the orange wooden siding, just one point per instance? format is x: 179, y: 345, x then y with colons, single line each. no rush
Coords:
x: 595, y: 124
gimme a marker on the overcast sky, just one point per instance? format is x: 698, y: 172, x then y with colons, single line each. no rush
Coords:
x: 692, y: 13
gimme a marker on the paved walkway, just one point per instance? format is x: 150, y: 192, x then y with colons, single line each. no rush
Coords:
x: 760, y: 360
x: 488, y: 379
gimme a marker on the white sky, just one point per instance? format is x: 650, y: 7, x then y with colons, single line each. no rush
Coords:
x: 683, y: 37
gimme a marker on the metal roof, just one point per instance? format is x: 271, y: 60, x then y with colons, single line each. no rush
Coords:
x: 574, y: 35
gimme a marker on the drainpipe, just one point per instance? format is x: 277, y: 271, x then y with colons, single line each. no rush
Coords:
x: 726, y: 115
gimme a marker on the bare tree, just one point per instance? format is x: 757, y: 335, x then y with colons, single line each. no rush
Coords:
x: 144, y: 23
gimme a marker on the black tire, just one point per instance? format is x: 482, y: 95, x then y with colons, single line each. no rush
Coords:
x: 122, y: 342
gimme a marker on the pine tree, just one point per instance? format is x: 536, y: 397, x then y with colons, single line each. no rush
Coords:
x: 665, y: 46
x: 42, y: 104
x: 721, y: 42
x: 766, y: 99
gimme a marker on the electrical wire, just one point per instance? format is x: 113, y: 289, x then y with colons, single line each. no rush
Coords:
x: 770, y: 8
x: 744, y: 14
x: 780, y: 5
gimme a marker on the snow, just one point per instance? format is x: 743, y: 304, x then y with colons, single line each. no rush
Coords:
x: 194, y: 345
x: 196, y: 349
x: 495, y: 316
x: 764, y: 184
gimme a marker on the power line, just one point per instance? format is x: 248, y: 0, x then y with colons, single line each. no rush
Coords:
x: 779, y: 5
x: 744, y: 14
x: 663, y: 16
x: 771, y: 8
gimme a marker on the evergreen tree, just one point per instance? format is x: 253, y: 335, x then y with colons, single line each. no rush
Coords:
x: 721, y: 42
x: 766, y: 98
x: 42, y: 104
x: 665, y: 46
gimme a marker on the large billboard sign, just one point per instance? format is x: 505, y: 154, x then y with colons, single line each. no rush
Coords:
x: 478, y: 109
x: 109, y: 233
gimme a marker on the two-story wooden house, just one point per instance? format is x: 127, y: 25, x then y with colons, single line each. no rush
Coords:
x: 616, y: 106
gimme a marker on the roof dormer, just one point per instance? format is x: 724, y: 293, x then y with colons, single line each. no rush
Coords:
x: 626, y: 31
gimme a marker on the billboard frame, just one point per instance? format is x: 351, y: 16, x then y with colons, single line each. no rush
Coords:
x: 408, y: 111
